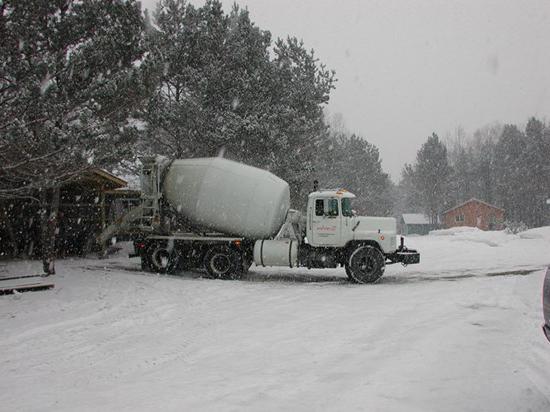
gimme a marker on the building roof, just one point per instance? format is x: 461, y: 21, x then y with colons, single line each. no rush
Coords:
x: 473, y: 199
x: 101, y: 178
x: 111, y: 178
x: 415, y: 219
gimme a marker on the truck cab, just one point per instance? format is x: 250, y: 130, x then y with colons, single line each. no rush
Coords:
x: 331, y: 222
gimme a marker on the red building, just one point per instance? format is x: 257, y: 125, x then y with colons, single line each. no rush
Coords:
x: 475, y: 213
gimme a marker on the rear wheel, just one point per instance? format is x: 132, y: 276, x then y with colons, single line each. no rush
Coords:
x: 221, y: 262
x: 365, y: 264
x: 160, y: 259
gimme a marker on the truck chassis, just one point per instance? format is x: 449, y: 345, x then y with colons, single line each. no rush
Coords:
x: 226, y: 257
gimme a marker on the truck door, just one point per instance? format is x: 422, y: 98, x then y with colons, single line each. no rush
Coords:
x: 326, y: 222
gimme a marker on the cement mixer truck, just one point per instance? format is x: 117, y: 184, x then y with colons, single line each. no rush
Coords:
x: 222, y: 216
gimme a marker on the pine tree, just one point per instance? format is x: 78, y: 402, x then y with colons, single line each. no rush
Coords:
x: 482, y: 149
x: 431, y: 175
x: 510, y: 171
x: 349, y: 161
x: 536, y: 177
x: 408, y: 197
x: 461, y: 180
x: 68, y: 84
x: 223, y: 88
x: 300, y: 89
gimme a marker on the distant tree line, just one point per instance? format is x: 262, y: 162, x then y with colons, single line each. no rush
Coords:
x: 502, y: 165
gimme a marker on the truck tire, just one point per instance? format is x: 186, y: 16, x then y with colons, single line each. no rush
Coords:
x: 159, y: 259
x: 365, y: 264
x: 221, y: 262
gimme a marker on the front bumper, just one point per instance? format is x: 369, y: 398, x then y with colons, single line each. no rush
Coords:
x: 404, y: 255
x: 407, y: 257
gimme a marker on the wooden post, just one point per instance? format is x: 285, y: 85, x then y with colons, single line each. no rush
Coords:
x: 49, y: 233
x: 103, y: 225
x: 43, y: 211
x: 5, y: 220
x: 102, y: 205
x: 13, y: 238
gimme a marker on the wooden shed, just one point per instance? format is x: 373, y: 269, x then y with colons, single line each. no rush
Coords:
x: 415, y: 224
x: 86, y: 206
x: 475, y: 213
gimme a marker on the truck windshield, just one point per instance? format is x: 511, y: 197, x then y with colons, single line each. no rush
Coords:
x: 346, y: 207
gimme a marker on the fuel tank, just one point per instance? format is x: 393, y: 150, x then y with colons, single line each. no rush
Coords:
x: 276, y: 253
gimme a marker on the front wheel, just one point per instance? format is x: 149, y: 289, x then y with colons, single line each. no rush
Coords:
x: 365, y: 264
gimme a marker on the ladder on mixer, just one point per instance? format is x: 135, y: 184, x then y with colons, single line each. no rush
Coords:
x: 150, y: 194
x: 149, y: 211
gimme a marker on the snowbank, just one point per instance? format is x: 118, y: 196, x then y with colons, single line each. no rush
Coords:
x: 537, y: 233
x: 454, y: 231
x: 467, y: 251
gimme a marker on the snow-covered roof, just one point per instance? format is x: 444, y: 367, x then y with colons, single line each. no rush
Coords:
x: 102, y: 178
x: 473, y: 199
x: 415, y: 219
x: 332, y: 193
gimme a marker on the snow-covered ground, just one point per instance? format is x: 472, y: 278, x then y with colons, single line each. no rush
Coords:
x: 459, y: 332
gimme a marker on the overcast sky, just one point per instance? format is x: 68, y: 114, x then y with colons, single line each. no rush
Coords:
x: 406, y: 69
